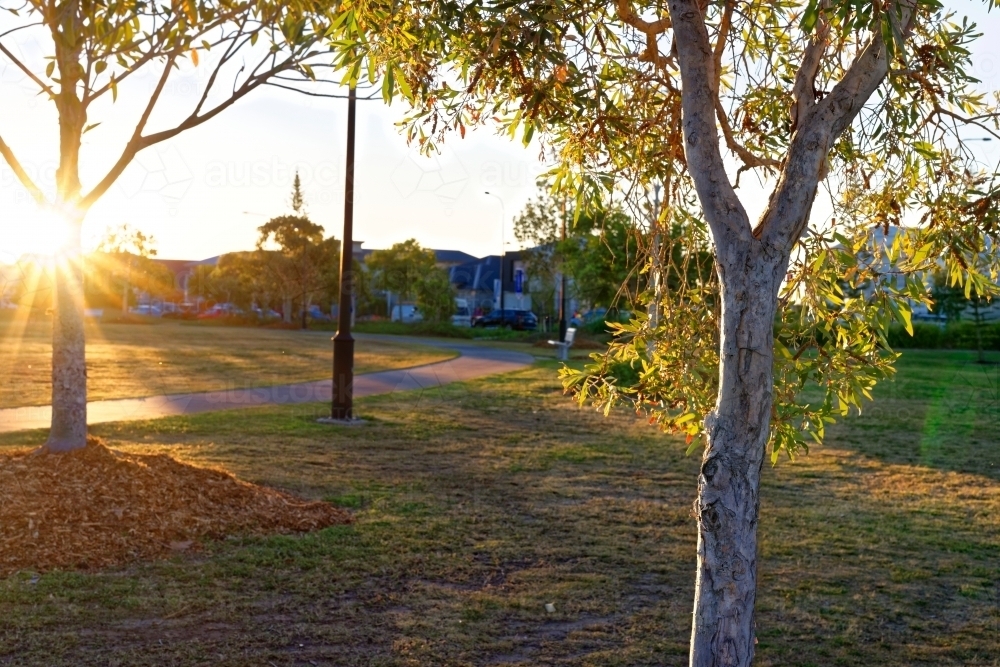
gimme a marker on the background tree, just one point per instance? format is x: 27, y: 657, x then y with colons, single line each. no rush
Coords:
x: 435, y: 298
x: 292, y: 250
x: 537, y: 229
x: 401, y: 268
x: 199, y: 282
x: 601, y: 254
x: 94, y: 49
x: 604, y: 257
x: 127, y: 246
x: 869, y: 99
x: 949, y: 300
x: 236, y: 279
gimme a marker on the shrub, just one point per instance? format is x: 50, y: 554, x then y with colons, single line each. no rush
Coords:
x: 955, y: 336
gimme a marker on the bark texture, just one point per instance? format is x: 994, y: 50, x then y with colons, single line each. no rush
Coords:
x: 728, y: 503
x: 69, y: 363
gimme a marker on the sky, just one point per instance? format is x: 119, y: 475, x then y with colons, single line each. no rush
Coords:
x: 206, y: 191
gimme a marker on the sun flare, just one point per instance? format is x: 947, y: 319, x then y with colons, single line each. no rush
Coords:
x: 35, y: 231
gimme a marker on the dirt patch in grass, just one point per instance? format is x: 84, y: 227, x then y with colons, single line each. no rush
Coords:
x: 98, y: 507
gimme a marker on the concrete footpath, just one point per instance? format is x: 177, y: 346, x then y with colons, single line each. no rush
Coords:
x: 473, y: 362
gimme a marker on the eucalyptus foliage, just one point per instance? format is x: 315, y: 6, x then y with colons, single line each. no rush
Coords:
x: 596, y: 85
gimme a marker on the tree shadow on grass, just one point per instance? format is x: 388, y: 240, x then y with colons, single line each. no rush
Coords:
x: 941, y: 411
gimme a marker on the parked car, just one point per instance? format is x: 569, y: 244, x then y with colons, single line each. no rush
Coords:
x: 267, y: 313
x: 521, y: 320
x: 316, y: 314
x: 146, y: 309
x: 220, y: 310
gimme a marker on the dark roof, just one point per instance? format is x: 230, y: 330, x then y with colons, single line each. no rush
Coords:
x: 480, y: 274
x: 440, y: 256
x: 453, y: 257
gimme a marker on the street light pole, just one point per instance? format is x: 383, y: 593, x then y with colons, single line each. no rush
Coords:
x: 654, y: 311
x: 562, y: 281
x: 503, y: 255
x: 343, y: 343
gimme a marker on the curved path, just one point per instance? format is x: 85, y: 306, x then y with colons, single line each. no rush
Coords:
x: 473, y: 362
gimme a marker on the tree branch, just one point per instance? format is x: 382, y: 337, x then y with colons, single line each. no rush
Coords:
x: 135, y: 142
x: 750, y: 160
x: 138, y: 142
x: 21, y: 174
x: 819, y: 124
x: 31, y: 75
x: 651, y: 29
x: 804, y: 88
x: 725, y: 23
x: 723, y: 210
x: 373, y: 96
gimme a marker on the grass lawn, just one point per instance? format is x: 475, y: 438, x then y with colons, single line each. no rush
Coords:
x: 479, y: 503
x: 128, y: 360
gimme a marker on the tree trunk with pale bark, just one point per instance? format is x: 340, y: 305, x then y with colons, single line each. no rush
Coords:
x: 728, y: 502
x: 751, y: 263
x: 69, y: 362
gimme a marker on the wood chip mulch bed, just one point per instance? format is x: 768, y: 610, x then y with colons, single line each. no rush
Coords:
x: 97, y: 508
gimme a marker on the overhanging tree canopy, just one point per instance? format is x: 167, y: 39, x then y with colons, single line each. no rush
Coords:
x: 871, y: 100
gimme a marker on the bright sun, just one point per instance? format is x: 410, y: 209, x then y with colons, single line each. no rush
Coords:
x: 32, y: 231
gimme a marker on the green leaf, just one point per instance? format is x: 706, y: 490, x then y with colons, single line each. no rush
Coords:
x: 810, y: 17
x: 404, y: 87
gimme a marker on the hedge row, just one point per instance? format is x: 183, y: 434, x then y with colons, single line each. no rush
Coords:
x: 956, y: 336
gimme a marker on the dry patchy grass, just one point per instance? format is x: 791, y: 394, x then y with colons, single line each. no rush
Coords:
x: 125, y: 361
x: 477, y: 504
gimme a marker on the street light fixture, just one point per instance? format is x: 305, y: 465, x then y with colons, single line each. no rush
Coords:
x: 503, y: 255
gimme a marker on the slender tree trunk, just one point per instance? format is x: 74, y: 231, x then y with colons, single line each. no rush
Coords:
x: 286, y: 310
x: 728, y: 502
x: 125, y: 290
x: 69, y: 364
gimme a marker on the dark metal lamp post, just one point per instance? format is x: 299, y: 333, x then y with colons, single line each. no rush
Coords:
x: 343, y: 343
x: 562, y: 282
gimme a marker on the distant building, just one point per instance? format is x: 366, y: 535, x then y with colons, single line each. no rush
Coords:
x: 479, y: 282
x: 184, y: 269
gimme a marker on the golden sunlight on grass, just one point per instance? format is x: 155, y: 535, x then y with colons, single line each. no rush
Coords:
x: 476, y: 504
x: 171, y: 358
